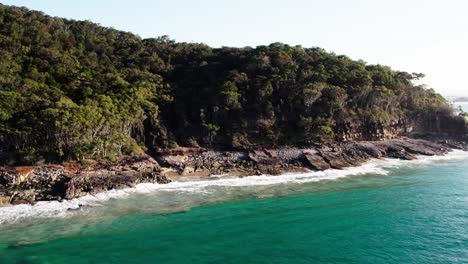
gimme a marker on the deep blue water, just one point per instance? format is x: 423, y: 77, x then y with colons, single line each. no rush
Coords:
x: 387, y: 212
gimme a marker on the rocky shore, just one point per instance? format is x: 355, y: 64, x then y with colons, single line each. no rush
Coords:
x: 29, y: 184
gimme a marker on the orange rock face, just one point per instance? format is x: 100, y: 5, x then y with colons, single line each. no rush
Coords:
x: 24, y: 171
x: 72, y: 169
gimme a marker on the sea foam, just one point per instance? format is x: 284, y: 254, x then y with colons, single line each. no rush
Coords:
x: 50, y: 209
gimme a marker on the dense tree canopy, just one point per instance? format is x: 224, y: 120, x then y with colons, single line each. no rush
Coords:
x: 73, y: 89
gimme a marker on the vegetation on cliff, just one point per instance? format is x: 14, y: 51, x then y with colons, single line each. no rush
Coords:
x: 73, y: 89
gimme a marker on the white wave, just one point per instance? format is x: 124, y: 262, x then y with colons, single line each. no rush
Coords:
x: 48, y: 209
x: 421, y: 160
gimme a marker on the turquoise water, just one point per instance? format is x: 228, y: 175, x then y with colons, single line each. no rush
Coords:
x: 386, y: 212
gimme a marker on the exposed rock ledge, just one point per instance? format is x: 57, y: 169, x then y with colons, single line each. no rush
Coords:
x: 56, y: 182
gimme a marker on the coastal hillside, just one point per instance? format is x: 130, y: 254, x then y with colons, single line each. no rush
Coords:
x: 76, y: 90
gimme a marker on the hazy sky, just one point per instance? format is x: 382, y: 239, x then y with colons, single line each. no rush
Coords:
x: 428, y: 36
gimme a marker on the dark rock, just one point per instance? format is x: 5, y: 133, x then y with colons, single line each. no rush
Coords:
x: 369, y: 150
x: 399, y: 153
x: 270, y: 170
x: 28, y: 196
x: 82, y: 185
x: 163, y: 179
x: 30, y: 184
x: 335, y: 159
x: 316, y: 162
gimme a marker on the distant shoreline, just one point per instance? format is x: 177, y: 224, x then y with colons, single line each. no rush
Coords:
x: 461, y: 100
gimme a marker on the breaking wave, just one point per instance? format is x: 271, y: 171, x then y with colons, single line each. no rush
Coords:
x: 53, y: 209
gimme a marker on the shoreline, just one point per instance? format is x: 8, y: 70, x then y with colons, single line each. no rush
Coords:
x: 29, y: 185
x: 53, y: 209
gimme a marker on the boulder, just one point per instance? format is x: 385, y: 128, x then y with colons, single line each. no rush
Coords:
x: 163, y: 179
x: 399, y: 153
x: 83, y: 184
x: 371, y: 150
x: 15, y: 176
x: 188, y: 170
x: 335, y: 159
x: 4, y: 200
x: 316, y: 162
x: 23, y: 197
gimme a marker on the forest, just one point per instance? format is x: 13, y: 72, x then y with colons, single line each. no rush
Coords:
x: 74, y: 90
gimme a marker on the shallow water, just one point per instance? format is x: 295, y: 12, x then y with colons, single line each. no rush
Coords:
x: 387, y: 211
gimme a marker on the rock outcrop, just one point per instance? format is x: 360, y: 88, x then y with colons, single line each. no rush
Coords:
x: 316, y: 162
x: 42, y: 183
x: 30, y: 184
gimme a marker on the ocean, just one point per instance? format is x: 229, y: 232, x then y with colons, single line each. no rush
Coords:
x: 386, y: 211
x: 464, y: 105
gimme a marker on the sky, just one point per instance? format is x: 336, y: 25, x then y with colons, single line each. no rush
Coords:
x: 429, y: 37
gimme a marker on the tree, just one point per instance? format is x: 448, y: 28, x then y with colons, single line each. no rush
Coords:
x: 74, y: 89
